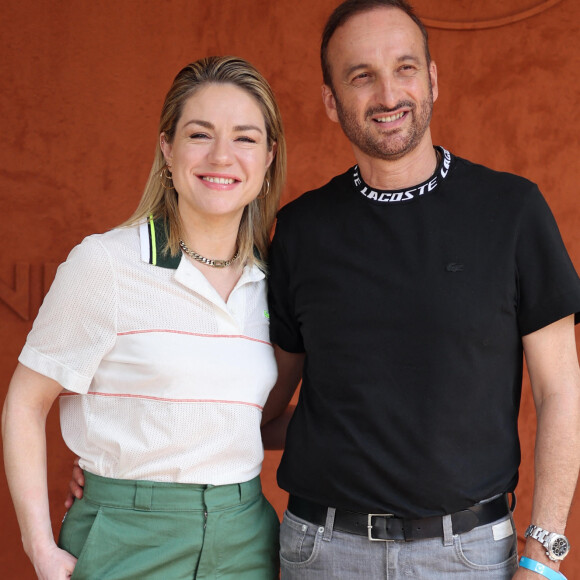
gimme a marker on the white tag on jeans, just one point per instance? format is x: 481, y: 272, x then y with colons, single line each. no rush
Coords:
x: 503, y: 530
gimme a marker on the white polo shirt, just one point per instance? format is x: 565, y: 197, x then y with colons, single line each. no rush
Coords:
x: 163, y: 380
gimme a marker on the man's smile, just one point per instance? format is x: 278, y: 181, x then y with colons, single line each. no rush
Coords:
x: 390, y: 118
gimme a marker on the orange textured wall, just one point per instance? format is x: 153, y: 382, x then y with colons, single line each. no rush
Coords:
x: 83, y: 83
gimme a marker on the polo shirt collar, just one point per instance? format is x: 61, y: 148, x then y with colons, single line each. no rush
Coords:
x: 153, y: 235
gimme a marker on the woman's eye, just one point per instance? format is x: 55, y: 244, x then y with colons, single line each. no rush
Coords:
x: 246, y: 139
x: 198, y: 136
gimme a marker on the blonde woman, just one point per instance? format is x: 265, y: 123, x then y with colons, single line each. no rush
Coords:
x: 155, y: 337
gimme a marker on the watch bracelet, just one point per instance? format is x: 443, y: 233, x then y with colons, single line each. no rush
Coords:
x: 542, y: 536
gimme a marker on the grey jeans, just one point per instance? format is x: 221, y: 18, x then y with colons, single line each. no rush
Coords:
x: 310, y: 552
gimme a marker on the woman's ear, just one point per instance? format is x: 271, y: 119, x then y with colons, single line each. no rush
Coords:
x: 271, y: 154
x: 166, y: 148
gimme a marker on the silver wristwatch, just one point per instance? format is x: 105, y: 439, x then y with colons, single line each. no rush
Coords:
x: 557, y: 546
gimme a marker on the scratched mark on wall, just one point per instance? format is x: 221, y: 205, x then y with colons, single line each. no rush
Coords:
x: 490, y: 22
x: 18, y: 295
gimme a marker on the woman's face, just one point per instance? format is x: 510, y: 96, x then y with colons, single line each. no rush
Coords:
x: 219, y: 154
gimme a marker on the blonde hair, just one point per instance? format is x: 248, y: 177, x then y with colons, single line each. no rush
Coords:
x: 258, y: 217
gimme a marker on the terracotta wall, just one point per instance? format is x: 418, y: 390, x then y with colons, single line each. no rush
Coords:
x: 83, y: 83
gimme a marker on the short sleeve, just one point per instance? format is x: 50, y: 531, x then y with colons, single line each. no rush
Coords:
x: 76, y: 324
x: 284, y: 328
x: 548, y: 285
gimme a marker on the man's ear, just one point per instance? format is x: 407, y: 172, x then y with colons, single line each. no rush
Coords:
x: 329, y: 103
x: 433, y: 77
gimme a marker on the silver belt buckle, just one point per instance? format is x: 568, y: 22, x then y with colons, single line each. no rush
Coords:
x: 370, y: 527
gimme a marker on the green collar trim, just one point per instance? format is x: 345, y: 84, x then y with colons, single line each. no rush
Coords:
x: 157, y: 230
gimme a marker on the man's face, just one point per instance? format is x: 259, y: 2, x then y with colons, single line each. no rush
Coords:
x: 383, y: 87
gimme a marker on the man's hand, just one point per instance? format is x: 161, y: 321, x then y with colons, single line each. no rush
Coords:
x: 536, y: 552
x: 524, y: 574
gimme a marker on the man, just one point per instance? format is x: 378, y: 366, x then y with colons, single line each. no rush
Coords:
x: 404, y: 292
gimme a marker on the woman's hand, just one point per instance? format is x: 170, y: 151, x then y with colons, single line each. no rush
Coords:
x: 52, y: 563
x: 75, y: 485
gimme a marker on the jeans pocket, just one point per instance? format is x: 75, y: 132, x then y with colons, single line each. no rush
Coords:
x: 299, y: 540
x: 489, y: 547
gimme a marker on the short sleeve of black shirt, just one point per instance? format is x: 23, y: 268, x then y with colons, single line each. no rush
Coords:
x: 284, y: 330
x: 548, y: 286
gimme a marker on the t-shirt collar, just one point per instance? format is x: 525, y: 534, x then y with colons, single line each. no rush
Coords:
x: 411, y: 193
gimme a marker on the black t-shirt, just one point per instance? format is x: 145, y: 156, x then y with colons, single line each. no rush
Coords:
x: 410, y: 306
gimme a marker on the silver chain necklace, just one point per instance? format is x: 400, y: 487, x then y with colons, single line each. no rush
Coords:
x: 208, y: 261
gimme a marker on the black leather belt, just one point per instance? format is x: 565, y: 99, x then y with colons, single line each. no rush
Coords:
x: 386, y: 527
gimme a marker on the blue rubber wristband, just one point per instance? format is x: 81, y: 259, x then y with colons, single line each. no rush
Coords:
x: 541, y: 569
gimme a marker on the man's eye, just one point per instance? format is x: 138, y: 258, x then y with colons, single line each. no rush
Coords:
x: 361, y: 79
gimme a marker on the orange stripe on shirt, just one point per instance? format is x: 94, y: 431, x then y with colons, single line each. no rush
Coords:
x: 129, y: 396
x: 243, y: 337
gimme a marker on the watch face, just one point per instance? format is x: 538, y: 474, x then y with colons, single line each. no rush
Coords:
x: 559, y: 546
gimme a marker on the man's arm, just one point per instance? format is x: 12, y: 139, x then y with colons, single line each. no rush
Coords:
x: 277, y: 414
x: 552, y: 363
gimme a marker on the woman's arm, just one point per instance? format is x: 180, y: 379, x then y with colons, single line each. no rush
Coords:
x: 29, y: 399
x: 277, y: 413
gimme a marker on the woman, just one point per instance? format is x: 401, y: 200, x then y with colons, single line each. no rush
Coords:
x: 155, y: 337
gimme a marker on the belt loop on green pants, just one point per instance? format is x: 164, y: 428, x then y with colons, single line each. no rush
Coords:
x: 143, y: 495
x: 250, y: 490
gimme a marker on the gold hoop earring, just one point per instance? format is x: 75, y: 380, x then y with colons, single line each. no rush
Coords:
x: 166, y: 177
x: 266, y: 193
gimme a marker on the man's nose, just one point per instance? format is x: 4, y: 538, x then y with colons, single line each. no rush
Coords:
x: 388, y: 92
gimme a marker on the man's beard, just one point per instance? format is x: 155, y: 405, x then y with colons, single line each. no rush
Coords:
x: 393, y: 145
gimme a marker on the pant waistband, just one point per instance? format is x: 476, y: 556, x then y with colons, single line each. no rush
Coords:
x: 164, y: 496
x: 386, y: 527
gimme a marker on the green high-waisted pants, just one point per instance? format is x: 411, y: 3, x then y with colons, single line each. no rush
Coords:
x: 144, y: 530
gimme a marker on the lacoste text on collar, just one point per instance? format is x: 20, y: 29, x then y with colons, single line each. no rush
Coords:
x: 407, y: 194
